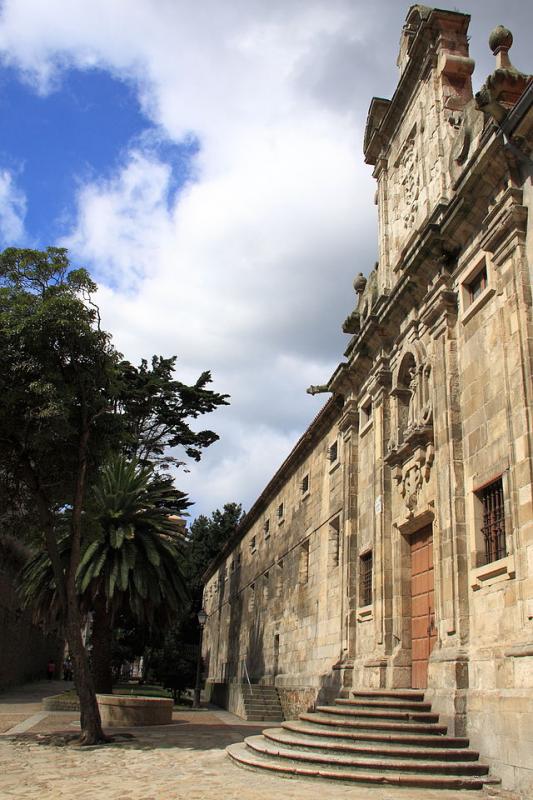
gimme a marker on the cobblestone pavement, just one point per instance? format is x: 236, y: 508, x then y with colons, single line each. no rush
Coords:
x: 182, y: 760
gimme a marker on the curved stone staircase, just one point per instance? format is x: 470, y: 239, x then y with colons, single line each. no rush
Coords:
x: 376, y: 737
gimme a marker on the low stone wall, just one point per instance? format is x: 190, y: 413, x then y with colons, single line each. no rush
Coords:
x: 61, y: 702
x: 121, y: 711
x: 295, y: 701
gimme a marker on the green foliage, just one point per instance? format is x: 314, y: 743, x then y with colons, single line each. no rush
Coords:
x: 58, y: 371
x: 136, y: 560
x: 156, y: 409
x: 207, y: 536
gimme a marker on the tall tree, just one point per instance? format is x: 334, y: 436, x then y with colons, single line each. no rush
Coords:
x: 66, y: 401
x: 58, y: 369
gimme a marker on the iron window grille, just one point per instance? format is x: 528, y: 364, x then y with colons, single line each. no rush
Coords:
x: 366, y: 579
x: 493, y: 529
x: 333, y: 452
x: 305, y: 485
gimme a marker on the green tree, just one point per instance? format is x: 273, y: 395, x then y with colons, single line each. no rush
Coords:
x: 207, y: 536
x: 68, y: 400
x: 155, y: 410
x: 58, y: 370
x: 135, y: 562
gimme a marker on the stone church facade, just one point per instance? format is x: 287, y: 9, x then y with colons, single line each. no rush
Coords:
x: 394, y: 546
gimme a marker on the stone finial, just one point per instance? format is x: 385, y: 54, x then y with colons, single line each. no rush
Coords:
x: 500, y: 42
x: 504, y: 87
x: 359, y: 283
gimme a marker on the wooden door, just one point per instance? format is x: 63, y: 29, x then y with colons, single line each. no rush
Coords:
x: 423, y: 629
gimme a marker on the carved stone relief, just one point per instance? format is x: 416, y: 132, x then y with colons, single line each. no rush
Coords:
x: 411, y: 477
x: 410, y: 448
x: 409, y: 176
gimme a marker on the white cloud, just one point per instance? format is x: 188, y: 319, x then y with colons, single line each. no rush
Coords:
x: 248, y: 270
x: 12, y: 210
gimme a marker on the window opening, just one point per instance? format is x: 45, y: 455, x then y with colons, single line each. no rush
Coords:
x: 366, y: 579
x: 493, y: 528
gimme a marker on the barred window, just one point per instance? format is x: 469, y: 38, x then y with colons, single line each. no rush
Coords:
x: 493, y: 528
x: 305, y: 484
x: 333, y: 452
x: 365, y: 579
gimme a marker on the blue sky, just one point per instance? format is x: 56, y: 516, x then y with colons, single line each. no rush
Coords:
x: 204, y: 161
x: 56, y: 142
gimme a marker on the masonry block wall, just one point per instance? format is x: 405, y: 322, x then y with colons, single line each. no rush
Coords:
x: 407, y: 560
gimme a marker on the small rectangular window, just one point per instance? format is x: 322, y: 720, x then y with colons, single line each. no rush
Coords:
x: 477, y: 284
x: 280, y: 511
x: 305, y: 484
x: 333, y: 452
x: 366, y: 414
x: 251, y: 597
x: 266, y: 528
x: 493, y: 527
x: 253, y: 544
x: 365, y: 579
x: 238, y: 559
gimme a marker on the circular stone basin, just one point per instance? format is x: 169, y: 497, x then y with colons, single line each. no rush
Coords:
x: 123, y: 711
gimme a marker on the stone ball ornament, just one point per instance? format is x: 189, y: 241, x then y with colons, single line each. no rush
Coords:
x: 359, y: 283
x: 500, y: 37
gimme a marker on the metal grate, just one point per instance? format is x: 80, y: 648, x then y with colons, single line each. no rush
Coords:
x: 366, y: 579
x: 493, y: 521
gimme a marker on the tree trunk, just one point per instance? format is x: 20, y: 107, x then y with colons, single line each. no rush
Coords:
x: 102, y: 637
x: 91, y: 724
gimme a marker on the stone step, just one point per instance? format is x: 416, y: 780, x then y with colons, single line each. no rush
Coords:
x: 301, y: 739
x: 397, y: 737
x: 262, y: 745
x: 399, y: 705
x: 400, y: 694
x: 243, y: 756
x: 381, y: 713
x: 324, y: 716
x: 267, y: 714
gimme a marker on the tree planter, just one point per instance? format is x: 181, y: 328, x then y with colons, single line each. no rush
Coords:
x: 123, y: 711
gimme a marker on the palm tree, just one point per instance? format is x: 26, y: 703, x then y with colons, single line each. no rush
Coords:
x: 131, y: 562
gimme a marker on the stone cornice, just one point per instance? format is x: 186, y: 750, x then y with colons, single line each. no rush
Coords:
x: 305, y: 444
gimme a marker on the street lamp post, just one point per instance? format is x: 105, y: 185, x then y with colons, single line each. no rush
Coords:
x: 202, y: 619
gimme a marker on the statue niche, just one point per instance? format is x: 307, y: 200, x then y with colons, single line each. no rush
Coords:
x: 410, y: 448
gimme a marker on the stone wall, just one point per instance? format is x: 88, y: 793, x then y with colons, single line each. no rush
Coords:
x: 25, y: 649
x: 273, y: 604
x: 432, y: 408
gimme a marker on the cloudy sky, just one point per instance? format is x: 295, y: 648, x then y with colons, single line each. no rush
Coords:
x: 203, y: 159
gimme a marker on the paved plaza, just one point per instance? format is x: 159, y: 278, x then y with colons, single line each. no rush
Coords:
x: 39, y: 760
